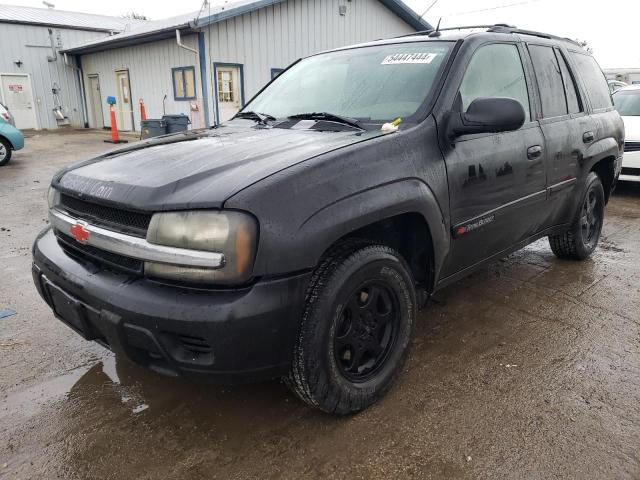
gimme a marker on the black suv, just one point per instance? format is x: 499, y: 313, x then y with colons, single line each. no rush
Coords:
x: 299, y: 239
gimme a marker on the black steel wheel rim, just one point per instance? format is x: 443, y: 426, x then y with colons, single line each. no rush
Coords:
x: 590, y: 218
x: 366, y: 331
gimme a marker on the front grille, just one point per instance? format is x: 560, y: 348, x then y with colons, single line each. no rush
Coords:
x: 630, y: 171
x: 127, y: 221
x: 79, y: 250
x: 632, y: 146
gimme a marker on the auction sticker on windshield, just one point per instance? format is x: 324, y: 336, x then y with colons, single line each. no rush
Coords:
x: 397, y: 58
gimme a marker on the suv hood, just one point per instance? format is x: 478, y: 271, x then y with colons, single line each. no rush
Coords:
x: 198, y: 169
x: 631, y: 128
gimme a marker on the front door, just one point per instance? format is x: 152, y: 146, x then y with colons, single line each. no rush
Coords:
x: 125, y: 105
x: 97, y: 120
x: 497, y: 182
x: 16, y: 94
x: 228, y: 91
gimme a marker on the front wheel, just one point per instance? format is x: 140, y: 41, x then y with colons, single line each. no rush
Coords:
x: 581, y: 239
x: 5, y: 152
x: 356, y: 328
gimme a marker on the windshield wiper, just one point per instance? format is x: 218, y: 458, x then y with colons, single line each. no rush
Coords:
x: 331, y: 117
x: 261, y: 118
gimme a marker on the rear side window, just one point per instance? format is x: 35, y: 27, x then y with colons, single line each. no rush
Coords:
x: 495, y: 71
x: 594, y: 80
x: 573, y: 102
x: 545, y: 63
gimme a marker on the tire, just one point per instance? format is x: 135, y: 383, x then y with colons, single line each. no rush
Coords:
x: 579, y: 242
x: 356, y: 328
x: 5, y: 152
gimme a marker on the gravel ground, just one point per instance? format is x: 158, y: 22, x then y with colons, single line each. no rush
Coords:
x: 529, y: 368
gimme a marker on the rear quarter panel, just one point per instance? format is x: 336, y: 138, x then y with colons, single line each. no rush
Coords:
x: 12, y: 134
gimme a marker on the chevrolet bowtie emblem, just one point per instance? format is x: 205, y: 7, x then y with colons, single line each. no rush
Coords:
x: 80, y: 233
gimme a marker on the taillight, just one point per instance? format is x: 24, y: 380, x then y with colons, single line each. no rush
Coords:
x: 5, y: 116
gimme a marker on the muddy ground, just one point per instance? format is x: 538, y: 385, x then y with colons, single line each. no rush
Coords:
x: 529, y: 369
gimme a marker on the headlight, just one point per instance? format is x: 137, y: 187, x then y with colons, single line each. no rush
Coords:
x: 53, y: 197
x: 234, y: 234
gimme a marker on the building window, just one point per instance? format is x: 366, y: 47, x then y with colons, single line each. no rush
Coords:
x: 275, y: 72
x: 225, y: 86
x: 184, y: 83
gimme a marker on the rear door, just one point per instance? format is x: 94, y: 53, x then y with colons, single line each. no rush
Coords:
x: 17, y: 96
x: 497, y: 182
x: 568, y: 130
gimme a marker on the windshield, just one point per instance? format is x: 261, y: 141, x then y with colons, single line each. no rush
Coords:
x: 627, y: 102
x: 376, y: 84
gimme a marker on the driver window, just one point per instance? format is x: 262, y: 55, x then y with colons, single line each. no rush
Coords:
x: 495, y: 71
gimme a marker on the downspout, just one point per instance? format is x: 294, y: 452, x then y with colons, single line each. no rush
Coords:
x: 198, y: 68
x: 53, y: 57
x: 180, y: 44
x: 203, y: 78
x: 83, y: 103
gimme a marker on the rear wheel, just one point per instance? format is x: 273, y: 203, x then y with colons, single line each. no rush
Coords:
x: 356, y: 328
x: 581, y: 239
x: 5, y: 152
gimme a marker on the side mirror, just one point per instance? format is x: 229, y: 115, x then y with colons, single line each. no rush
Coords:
x: 487, y: 115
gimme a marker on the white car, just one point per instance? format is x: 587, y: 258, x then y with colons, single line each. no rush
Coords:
x: 615, y: 85
x: 627, y: 101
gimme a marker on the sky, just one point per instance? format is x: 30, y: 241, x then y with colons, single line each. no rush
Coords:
x: 610, y: 28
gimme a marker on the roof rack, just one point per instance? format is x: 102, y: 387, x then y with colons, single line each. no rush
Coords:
x: 466, y: 27
x: 495, y: 28
x: 499, y: 28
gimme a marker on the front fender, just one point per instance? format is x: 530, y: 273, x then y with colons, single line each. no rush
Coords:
x: 332, y: 222
x: 306, y: 208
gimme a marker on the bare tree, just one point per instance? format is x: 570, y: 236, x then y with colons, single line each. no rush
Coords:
x: 135, y: 16
x: 584, y: 44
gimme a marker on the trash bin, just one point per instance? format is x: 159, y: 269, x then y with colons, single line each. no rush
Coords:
x: 176, y: 123
x: 153, y: 128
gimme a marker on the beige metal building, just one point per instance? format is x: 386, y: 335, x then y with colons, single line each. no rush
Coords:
x: 209, y: 63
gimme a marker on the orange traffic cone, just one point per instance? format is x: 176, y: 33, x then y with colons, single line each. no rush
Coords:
x: 115, y: 138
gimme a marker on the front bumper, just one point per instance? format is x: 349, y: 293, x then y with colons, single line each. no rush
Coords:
x: 228, y: 336
x: 630, y: 167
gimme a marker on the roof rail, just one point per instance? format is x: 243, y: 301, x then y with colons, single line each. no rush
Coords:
x: 495, y: 28
x: 465, y: 27
x: 508, y: 29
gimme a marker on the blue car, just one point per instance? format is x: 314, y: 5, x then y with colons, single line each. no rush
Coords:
x: 10, y: 137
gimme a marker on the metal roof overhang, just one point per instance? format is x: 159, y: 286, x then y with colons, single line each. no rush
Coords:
x: 407, y: 14
x: 127, y: 41
x: 60, y: 25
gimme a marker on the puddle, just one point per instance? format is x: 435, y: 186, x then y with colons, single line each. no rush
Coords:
x: 29, y: 402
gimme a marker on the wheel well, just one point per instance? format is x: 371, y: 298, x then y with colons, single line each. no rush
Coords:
x: 2, y: 137
x: 408, y: 234
x: 605, y: 169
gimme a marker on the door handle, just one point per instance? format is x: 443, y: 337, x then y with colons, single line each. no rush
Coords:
x: 534, y: 152
x: 588, y: 137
